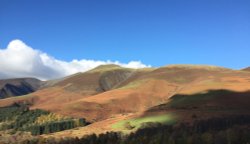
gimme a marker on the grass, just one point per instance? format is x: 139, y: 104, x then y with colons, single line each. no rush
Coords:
x: 186, y: 100
x: 145, y: 69
x: 180, y: 79
x: 105, y: 68
x: 190, y: 66
x: 196, y: 99
x: 137, y: 122
x: 134, y: 84
x: 21, y: 97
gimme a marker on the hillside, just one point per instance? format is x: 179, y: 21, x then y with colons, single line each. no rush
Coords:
x: 110, y: 96
x: 18, y: 87
x: 246, y: 69
x: 141, y: 89
x: 100, y: 79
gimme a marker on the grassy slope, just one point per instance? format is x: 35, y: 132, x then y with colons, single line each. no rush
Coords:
x: 143, y: 90
x: 194, y: 81
x: 136, y: 123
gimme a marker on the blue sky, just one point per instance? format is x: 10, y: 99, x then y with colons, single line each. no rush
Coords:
x: 215, y: 32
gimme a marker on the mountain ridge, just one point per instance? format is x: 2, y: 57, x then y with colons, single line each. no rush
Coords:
x: 18, y: 87
x: 107, y: 95
x: 246, y: 69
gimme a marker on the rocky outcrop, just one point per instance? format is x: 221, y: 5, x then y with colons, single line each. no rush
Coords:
x: 113, y: 79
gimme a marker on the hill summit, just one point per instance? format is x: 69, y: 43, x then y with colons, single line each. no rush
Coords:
x: 109, y: 96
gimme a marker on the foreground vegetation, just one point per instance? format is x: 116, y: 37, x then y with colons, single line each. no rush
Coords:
x: 224, y: 130
x: 137, y: 123
x: 19, y: 117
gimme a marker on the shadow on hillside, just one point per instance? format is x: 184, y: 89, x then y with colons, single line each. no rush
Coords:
x: 210, y: 100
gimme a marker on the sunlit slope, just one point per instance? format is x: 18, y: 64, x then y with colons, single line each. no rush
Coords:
x: 98, y: 80
x: 57, y: 94
x: 110, y: 90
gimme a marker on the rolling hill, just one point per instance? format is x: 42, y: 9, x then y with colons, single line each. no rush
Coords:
x: 246, y: 69
x: 110, y: 94
x: 18, y: 87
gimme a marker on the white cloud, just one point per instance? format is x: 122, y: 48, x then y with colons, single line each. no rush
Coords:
x: 20, y: 60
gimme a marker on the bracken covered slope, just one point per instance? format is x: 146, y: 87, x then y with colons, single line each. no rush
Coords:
x: 110, y: 93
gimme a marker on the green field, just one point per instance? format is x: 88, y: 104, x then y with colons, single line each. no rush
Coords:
x: 137, y: 122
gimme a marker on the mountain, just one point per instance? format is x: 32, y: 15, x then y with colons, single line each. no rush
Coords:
x: 115, y: 89
x: 18, y: 87
x: 100, y: 79
x: 246, y: 69
x: 109, y: 95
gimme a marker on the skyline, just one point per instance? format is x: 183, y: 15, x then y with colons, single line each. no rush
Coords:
x: 154, y: 33
x: 20, y: 60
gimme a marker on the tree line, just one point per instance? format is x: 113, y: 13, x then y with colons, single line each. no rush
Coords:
x: 55, y: 126
x: 225, y: 130
x: 20, y: 118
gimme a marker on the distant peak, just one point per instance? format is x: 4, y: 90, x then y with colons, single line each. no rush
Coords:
x: 107, y: 67
x: 246, y: 69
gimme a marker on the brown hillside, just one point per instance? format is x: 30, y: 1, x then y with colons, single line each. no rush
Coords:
x: 108, y: 92
x: 98, y: 80
x: 246, y: 69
